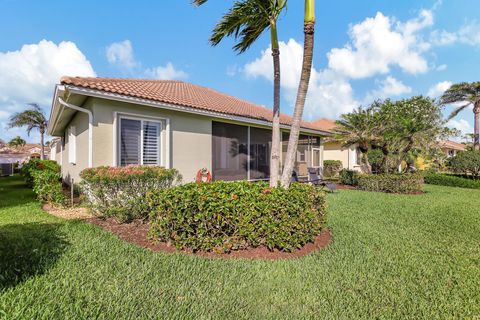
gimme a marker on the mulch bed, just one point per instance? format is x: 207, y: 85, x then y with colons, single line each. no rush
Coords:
x: 137, y: 233
x: 346, y: 187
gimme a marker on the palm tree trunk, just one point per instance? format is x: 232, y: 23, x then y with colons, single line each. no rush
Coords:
x: 275, y: 153
x: 308, y: 30
x: 476, y: 132
x: 42, y: 145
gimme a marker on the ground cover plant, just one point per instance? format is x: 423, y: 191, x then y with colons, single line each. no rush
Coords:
x: 225, y: 216
x: 392, y: 257
x: 120, y: 192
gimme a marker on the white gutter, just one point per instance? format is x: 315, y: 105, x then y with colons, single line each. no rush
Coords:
x: 90, y: 127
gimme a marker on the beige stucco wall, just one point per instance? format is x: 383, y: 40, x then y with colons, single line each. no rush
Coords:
x: 334, y: 151
x: 72, y: 170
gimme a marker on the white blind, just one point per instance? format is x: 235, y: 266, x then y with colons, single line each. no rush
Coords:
x: 139, y: 142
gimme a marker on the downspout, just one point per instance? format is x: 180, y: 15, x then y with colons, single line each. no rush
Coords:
x: 90, y: 127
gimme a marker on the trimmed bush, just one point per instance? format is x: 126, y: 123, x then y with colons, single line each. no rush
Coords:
x: 331, y: 168
x: 451, y: 181
x: 391, y: 183
x: 466, y: 162
x: 119, y: 192
x: 44, y: 177
x: 349, y: 177
x: 224, y: 216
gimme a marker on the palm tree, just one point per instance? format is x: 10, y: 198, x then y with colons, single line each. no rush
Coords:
x: 470, y: 94
x: 33, y: 118
x: 17, y: 142
x: 246, y: 21
x: 308, y: 30
x: 358, y: 128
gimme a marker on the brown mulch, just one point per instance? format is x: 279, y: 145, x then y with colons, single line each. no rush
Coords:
x: 67, y: 213
x: 137, y: 233
x: 346, y: 187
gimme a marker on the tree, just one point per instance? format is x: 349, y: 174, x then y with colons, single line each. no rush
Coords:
x: 32, y: 118
x: 468, y: 93
x: 17, y: 142
x: 246, y: 21
x: 308, y: 44
x: 358, y: 128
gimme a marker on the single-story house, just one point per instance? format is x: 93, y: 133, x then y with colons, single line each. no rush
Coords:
x: 333, y: 150
x: 175, y: 124
x: 451, y: 148
x: 21, y: 154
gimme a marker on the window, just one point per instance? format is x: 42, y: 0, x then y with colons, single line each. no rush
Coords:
x: 316, y: 157
x: 72, y: 145
x: 260, y: 146
x: 139, y: 142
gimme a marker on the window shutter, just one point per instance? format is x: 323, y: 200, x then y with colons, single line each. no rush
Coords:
x: 130, y: 135
x: 151, y: 143
x: 72, y: 145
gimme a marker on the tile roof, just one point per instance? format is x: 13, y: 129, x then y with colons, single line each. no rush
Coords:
x: 452, y: 145
x: 183, y: 94
x: 325, y: 123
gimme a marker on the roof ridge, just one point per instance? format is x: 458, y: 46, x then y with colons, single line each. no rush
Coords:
x: 69, y: 78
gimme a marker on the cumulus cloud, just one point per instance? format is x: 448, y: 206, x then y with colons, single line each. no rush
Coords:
x: 167, y: 72
x: 438, y: 89
x: 329, y: 94
x: 462, y: 125
x: 121, y: 54
x: 390, y: 87
x: 468, y: 34
x: 30, y: 73
x: 378, y: 43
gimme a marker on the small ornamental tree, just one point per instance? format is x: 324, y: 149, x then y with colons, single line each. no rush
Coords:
x: 467, y: 163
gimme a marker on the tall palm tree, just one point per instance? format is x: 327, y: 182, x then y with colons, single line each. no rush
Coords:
x: 33, y: 118
x: 246, y: 21
x: 358, y: 128
x: 17, y: 142
x: 470, y: 94
x: 308, y: 30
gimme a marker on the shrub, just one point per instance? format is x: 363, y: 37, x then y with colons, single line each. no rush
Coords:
x: 391, y: 183
x: 225, y: 216
x: 331, y: 168
x: 36, y: 164
x: 375, y: 157
x: 349, y: 177
x: 119, y: 192
x: 466, y: 162
x: 451, y: 181
x: 44, y: 177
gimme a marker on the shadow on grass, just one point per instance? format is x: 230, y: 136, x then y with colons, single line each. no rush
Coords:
x: 27, y: 250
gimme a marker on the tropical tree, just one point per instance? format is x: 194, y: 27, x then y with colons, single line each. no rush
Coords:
x: 308, y: 44
x: 246, y: 21
x: 17, y: 142
x: 33, y: 118
x: 358, y: 128
x: 468, y: 93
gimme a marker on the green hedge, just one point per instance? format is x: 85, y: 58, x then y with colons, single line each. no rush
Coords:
x: 391, y: 183
x: 451, y: 181
x: 331, y: 168
x: 224, y: 216
x: 349, y: 177
x: 45, y: 179
x: 120, y: 192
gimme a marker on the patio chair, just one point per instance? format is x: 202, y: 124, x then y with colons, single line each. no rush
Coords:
x: 315, y: 179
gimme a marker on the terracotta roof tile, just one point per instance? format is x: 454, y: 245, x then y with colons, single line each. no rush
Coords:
x: 184, y: 94
x: 452, y: 145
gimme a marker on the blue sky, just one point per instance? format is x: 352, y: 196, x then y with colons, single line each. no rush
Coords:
x: 363, y: 50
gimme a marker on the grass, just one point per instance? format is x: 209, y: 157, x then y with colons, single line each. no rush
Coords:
x: 393, y: 256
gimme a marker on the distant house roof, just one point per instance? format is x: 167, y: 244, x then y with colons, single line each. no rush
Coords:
x: 448, y: 144
x: 26, y: 149
x: 183, y: 94
x: 325, y: 123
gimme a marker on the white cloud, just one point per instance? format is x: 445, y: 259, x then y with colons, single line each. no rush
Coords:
x: 121, y: 54
x: 442, y: 67
x: 377, y: 44
x: 461, y: 124
x: 329, y: 95
x: 29, y: 75
x: 468, y: 34
x: 388, y: 88
x: 438, y: 89
x: 167, y: 72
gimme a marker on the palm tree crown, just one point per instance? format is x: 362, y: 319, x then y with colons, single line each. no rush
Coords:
x: 17, y: 142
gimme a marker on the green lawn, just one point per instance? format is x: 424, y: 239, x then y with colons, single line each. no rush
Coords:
x: 392, y: 257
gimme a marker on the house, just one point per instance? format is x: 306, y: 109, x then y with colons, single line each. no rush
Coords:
x: 333, y: 150
x: 21, y: 154
x: 119, y: 122
x: 451, y: 148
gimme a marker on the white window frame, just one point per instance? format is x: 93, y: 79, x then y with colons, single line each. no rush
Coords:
x: 72, y: 145
x: 165, y: 136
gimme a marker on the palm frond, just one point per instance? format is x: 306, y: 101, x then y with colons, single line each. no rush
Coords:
x: 457, y: 110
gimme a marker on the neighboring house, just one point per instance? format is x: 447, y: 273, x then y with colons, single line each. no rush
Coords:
x: 118, y: 122
x: 333, y: 150
x: 21, y: 154
x: 451, y: 148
